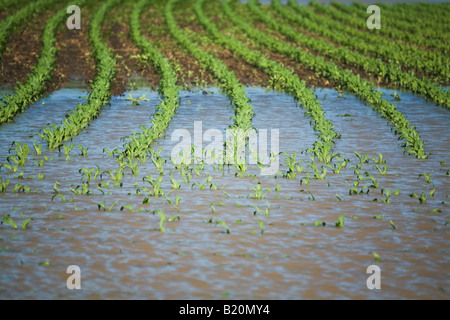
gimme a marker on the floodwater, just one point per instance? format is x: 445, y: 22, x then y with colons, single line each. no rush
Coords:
x: 123, y: 255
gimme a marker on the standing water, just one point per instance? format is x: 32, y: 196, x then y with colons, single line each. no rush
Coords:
x: 227, y: 235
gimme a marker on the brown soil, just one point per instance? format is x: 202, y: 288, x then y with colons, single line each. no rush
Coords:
x: 74, y: 58
x: 303, y: 73
x: 189, y: 70
x: 247, y: 74
x: 22, y: 51
x: 116, y: 34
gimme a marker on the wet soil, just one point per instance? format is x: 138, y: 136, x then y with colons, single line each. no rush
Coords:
x: 117, y: 35
x: 22, y: 51
x: 189, y: 70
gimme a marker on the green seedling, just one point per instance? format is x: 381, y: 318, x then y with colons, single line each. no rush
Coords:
x: 37, y: 148
x: 261, y: 225
x: 86, y: 174
x: 432, y: 192
x: 319, y: 223
x: 128, y: 207
x: 3, y: 185
x: 175, y: 184
x: 135, y: 101
x: 25, y: 223
x: 83, y: 151
x: 22, y: 152
x: 258, y: 192
x: 340, y: 222
x: 396, y: 96
x: 387, y: 193
x: 21, y: 188
x: 223, y: 224
x: 258, y: 210
x: 7, y: 220
x: 383, y: 170
x: 392, y: 224
x: 162, y: 220
x: 267, y: 211
x: 362, y: 158
x: 379, y: 160
x: 354, y: 189
x: 67, y: 150
x: 111, y: 153
x: 376, y: 257
x: 427, y: 177
x: 422, y: 198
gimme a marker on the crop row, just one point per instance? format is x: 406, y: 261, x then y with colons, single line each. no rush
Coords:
x: 100, y: 93
x: 139, y: 143
x: 417, y: 15
x: 228, y: 81
x: 345, y: 78
x: 35, y: 86
x: 415, y: 28
x: 348, y: 14
x: 14, y: 20
x: 388, y: 72
x: 362, y: 35
x: 283, y: 79
x: 424, y: 61
x: 6, y: 5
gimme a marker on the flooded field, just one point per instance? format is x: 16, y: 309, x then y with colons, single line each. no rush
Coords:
x: 205, y: 232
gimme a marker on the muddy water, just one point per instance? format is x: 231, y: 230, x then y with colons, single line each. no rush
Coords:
x: 122, y: 254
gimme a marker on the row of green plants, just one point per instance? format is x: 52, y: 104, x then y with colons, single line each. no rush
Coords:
x: 227, y: 79
x: 15, y: 20
x: 345, y: 14
x: 101, y: 85
x: 36, y: 84
x: 417, y: 15
x: 139, y: 143
x: 281, y: 78
x: 390, y: 73
x: 368, y: 37
x: 362, y: 34
x: 428, y: 62
x: 344, y: 78
x: 416, y: 28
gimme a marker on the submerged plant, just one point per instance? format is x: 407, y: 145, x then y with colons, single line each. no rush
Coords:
x: 135, y: 101
x: 258, y: 192
x: 340, y: 222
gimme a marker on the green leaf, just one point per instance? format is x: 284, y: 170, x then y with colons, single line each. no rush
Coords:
x: 25, y: 223
x: 340, y: 222
x: 7, y: 219
x: 376, y: 256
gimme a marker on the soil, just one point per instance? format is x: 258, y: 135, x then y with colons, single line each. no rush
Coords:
x: 117, y: 36
x: 247, y: 74
x: 74, y: 58
x: 22, y: 51
x: 189, y: 70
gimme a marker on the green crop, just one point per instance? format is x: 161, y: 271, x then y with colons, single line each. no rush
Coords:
x: 340, y: 222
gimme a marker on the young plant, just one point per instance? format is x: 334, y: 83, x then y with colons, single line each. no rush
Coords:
x: 422, y: 198
x: 83, y: 151
x: 67, y: 150
x: 4, y: 184
x: 258, y: 192
x: 340, y: 222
